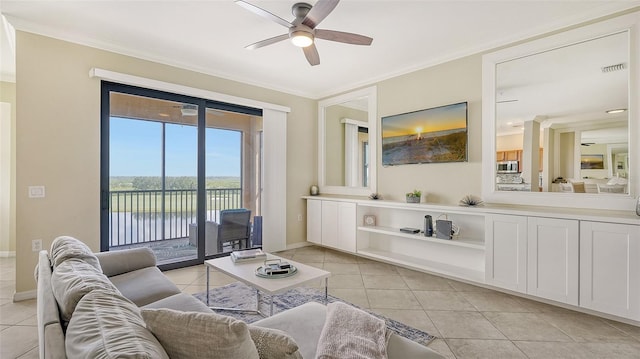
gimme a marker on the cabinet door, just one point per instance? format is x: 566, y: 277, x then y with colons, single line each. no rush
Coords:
x: 506, y: 252
x: 552, y: 270
x: 330, y: 224
x: 500, y: 156
x: 610, y: 268
x: 512, y: 155
x: 314, y: 221
x: 347, y: 226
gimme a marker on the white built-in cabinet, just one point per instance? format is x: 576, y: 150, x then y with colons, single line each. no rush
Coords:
x: 314, y: 221
x: 552, y: 259
x: 533, y: 255
x: 586, y: 260
x: 332, y: 224
x: 506, y: 250
x: 610, y: 268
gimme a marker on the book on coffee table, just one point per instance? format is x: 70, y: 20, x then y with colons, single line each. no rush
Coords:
x: 248, y: 255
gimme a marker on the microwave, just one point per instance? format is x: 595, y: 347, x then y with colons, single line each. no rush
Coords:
x: 507, y: 167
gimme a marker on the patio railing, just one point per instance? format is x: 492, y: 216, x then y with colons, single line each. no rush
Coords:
x: 144, y: 216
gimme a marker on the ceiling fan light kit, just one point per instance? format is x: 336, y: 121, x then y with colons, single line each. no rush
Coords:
x: 301, y: 38
x: 302, y: 30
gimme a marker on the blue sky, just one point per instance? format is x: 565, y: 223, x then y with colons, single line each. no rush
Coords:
x: 136, y: 149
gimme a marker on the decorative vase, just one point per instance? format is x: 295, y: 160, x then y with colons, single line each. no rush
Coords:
x: 413, y: 199
x: 314, y: 190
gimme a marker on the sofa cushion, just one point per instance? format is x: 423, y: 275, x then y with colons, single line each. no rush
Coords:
x: 274, y: 343
x: 73, y: 279
x: 66, y: 247
x: 144, y: 286
x: 121, y: 261
x: 303, y: 323
x: 306, y: 332
x: 107, y: 325
x: 200, y: 335
x: 183, y: 302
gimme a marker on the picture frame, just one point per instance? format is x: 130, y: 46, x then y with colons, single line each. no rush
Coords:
x: 592, y: 162
x: 433, y: 135
x: 369, y: 220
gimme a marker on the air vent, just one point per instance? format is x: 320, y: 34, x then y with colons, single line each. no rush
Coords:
x: 612, y: 68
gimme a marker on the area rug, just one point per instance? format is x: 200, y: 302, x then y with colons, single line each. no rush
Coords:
x: 239, y: 295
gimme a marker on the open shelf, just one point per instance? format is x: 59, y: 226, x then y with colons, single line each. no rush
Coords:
x: 427, y: 265
x: 468, y: 243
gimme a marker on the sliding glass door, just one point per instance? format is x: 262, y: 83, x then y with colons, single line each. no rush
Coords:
x: 170, y: 163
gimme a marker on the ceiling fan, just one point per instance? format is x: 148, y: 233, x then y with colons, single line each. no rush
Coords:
x: 303, y: 31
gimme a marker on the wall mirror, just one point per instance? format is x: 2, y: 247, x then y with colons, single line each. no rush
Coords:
x: 562, y: 116
x: 347, y: 137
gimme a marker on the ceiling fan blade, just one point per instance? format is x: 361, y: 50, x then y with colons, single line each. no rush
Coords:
x: 264, y: 13
x: 319, y: 11
x: 311, y: 53
x: 266, y: 42
x: 345, y: 37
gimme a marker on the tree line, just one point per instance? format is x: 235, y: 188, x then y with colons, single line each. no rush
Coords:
x: 171, y: 183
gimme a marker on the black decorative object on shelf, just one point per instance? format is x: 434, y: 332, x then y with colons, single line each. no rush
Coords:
x: 470, y: 201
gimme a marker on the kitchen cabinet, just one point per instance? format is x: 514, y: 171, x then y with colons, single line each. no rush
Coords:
x: 506, y: 250
x: 541, y: 159
x: 332, y: 224
x: 610, y: 268
x: 511, y: 155
x: 552, y: 259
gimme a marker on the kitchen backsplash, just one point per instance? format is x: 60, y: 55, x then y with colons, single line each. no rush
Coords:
x: 508, y: 178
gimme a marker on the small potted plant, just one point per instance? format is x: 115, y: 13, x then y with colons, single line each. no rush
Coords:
x: 414, y: 197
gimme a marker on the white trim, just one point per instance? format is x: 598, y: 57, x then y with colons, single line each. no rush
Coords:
x: 371, y: 93
x: 274, y: 194
x: 355, y: 122
x: 181, y: 89
x: 26, y: 295
x: 7, y: 254
x: 274, y: 118
x: 627, y: 23
x: 299, y: 245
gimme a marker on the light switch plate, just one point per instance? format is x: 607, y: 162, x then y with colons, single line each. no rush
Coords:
x: 36, y: 191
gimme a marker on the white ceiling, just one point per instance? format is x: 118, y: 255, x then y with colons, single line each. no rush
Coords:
x: 209, y: 36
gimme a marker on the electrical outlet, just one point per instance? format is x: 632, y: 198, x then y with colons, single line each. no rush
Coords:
x: 299, y: 218
x: 36, y: 245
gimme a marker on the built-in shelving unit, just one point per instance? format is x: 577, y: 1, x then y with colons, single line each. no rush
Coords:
x: 469, y: 243
x: 537, y: 252
x: 463, y: 256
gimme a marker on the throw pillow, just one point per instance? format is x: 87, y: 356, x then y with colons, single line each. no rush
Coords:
x: 108, y: 325
x: 65, y: 247
x: 274, y: 343
x: 189, y: 335
x: 73, y: 279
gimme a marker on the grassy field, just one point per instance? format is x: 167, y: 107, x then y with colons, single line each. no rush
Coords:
x: 127, y: 196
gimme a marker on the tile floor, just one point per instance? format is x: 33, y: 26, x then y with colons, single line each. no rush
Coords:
x: 469, y: 321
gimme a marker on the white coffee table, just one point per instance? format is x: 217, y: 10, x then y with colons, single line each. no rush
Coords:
x: 245, y: 273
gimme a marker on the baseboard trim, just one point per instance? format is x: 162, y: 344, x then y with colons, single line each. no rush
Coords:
x: 20, y: 296
x: 7, y: 254
x: 298, y: 245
